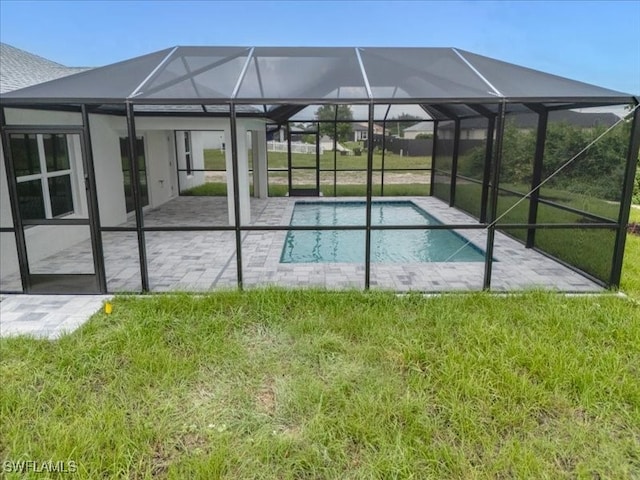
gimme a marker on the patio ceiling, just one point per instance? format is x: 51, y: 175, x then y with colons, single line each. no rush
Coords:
x: 272, y: 77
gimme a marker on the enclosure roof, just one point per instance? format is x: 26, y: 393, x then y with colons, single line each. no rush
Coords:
x: 274, y: 76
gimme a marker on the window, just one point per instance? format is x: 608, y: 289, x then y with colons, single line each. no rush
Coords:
x: 187, y: 152
x: 126, y: 173
x: 43, y: 170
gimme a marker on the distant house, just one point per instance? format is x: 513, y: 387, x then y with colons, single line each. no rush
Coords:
x: 22, y: 69
x: 476, y: 128
x: 420, y: 128
x: 361, y: 131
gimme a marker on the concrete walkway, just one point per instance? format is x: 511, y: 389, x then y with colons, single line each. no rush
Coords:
x: 46, y: 316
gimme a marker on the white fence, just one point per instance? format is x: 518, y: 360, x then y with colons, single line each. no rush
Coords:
x: 296, y: 147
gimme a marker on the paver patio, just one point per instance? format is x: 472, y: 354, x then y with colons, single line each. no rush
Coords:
x: 202, y: 260
x: 46, y: 316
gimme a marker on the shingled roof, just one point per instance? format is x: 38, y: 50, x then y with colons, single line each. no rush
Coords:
x: 19, y: 69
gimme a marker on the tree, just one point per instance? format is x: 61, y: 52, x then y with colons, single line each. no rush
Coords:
x: 328, y: 112
x: 597, y: 172
x: 397, y: 125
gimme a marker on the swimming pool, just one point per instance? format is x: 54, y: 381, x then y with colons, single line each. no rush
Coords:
x: 387, y: 246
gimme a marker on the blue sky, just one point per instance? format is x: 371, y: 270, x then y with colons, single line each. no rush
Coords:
x: 595, y: 42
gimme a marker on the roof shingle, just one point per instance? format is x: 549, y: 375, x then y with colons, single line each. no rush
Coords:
x: 19, y: 69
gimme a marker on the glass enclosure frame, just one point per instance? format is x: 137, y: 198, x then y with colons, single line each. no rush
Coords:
x: 368, y: 77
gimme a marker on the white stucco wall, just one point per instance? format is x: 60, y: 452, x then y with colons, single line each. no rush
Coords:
x: 105, y: 146
x: 160, y: 164
x: 15, y: 116
x: 106, y: 130
x: 194, y: 179
x: 411, y: 135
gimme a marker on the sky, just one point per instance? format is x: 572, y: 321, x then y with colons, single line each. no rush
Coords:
x: 590, y: 41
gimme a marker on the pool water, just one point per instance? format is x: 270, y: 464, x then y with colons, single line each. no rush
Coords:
x: 387, y: 246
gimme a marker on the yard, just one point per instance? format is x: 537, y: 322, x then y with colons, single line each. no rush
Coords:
x: 404, y: 176
x: 214, y: 160
x: 303, y: 383
x: 308, y: 384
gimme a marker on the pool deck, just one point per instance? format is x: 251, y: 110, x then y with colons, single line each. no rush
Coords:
x: 201, y: 261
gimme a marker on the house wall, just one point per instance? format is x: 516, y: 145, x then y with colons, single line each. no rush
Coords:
x: 465, y: 134
x: 105, y: 146
x: 106, y: 130
x: 473, y: 134
x: 160, y: 156
x: 411, y: 135
x: 42, y: 240
x: 199, y: 141
x: 446, y: 134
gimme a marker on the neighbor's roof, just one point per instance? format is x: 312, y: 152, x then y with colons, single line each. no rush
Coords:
x: 276, y: 76
x: 363, y: 127
x: 20, y: 69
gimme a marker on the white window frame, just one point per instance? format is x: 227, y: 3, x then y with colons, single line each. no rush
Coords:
x: 44, y: 176
x: 188, y: 158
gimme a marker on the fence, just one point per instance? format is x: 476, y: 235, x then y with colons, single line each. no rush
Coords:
x: 422, y: 147
x: 296, y: 147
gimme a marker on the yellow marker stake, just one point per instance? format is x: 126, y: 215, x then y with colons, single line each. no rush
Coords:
x: 108, y: 308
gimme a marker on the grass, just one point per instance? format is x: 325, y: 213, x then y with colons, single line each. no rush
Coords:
x: 589, y: 250
x: 345, y: 190
x: 348, y: 183
x: 209, y: 189
x: 215, y: 160
x: 274, y: 384
x: 631, y: 267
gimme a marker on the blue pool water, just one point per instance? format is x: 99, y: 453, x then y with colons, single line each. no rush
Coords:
x: 387, y: 246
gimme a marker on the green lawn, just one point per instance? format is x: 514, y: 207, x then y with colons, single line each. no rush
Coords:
x: 215, y: 160
x: 348, y: 183
x: 588, y: 249
x: 275, y: 384
x: 281, y: 384
x: 631, y: 268
x: 349, y: 190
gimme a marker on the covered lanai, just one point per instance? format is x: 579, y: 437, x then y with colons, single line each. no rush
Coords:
x: 195, y: 168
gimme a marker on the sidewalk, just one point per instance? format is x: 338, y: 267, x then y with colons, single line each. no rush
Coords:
x: 46, y: 316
